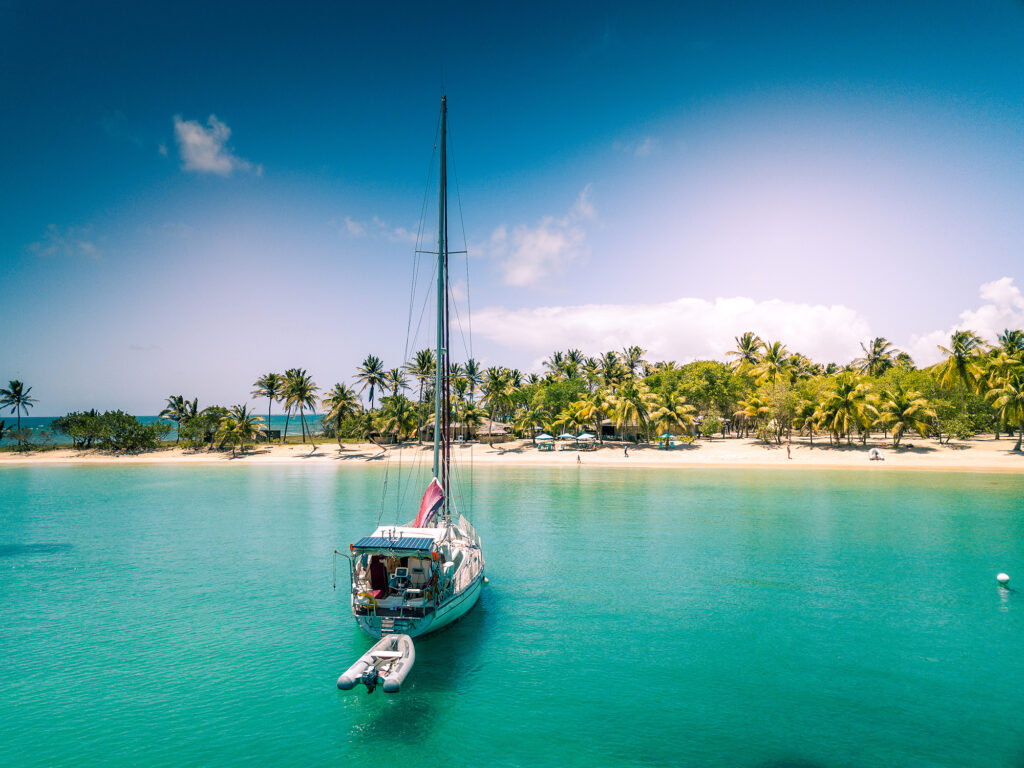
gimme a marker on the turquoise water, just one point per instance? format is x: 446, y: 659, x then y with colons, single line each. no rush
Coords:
x: 173, y: 616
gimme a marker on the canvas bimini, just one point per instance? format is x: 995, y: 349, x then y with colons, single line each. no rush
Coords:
x: 417, y: 578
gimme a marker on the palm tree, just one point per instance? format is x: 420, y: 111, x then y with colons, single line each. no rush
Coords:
x: 497, y: 391
x: 747, y: 352
x: 339, y: 404
x: 555, y: 365
x: 806, y: 418
x: 593, y: 407
x: 1011, y: 341
x: 848, y: 405
x: 177, y: 410
x: 423, y: 369
x: 299, y: 394
x: 1007, y: 397
x: 878, y: 359
x: 672, y: 412
x: 397, y: 417
x: 961, y: 367
x: 633, y: 359
x: 631, y: 405
x: 612, y: 369
x: 751, y: 411
x: 900, y: 409
x: 396, y: 380
x: 240, y: 426
x: 270, y: 386
x: 471, y: 370
x: 371, y: 374
x: 528, y: 418
x: 774, y: 365
x: 17, y: 397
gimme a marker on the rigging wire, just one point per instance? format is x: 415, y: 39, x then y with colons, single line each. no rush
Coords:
x: 469, y: 306
x: 419, y: 236
x: 465, y: 244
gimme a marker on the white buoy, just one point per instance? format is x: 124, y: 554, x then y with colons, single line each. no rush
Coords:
x: 1003, y: 579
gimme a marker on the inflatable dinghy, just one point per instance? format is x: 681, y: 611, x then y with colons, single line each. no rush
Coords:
x: 388, y: 661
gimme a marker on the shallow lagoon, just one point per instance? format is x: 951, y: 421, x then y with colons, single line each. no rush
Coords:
x: 159, y: 615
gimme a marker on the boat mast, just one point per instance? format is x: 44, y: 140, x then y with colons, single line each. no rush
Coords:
x: 441, y: 409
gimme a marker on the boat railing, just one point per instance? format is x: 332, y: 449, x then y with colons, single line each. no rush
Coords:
x: 467, y: 528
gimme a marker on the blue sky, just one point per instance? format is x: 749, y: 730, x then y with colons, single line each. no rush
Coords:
x: 195, y: 195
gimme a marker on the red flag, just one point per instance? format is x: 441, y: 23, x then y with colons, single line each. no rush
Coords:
x: 433, y: 498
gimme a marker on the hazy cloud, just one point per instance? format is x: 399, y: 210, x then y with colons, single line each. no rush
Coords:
x: 528, y: 254
x: 205, y: 149
x: 354, y: 228
x: 377, y: 227
x: 684, y: 329
x: 69, y: 242
x: 1002, y: 307
x: 640, y: 148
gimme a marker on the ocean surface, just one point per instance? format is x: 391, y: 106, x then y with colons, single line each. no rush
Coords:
x: 180, y: 616
x: 42, y: 434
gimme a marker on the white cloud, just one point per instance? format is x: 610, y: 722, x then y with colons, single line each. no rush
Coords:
x: 528, y: 255
x: 641, y: 148
x: 377, y: 227
x: 685, y: 329
x: 162, y: 149
x: 205, y: 149
x: 70, y: 242
x: 1002, y: 308
x: 354, y: 228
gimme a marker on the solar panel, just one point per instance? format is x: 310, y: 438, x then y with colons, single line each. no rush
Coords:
x: 381, y: 542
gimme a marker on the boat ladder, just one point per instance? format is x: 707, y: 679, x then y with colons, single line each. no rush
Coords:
x: 387, y: 625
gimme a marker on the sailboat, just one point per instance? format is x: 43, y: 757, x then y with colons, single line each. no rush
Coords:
x: 417, y: 578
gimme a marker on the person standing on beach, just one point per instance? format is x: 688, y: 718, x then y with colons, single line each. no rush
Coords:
x: 788, y: 456
x: 625, y: 450
x: 578, y: 459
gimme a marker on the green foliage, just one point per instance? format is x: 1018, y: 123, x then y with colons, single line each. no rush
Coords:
x: 83, y: 427
x: 201, y: 429
x: 122, y: 432
x: 555, y: 396
x: 711, y: 426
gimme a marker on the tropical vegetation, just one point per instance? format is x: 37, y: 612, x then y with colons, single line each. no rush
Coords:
x: 767, y: 390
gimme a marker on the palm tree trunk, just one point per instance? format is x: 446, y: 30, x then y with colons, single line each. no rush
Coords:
x: 287, y: 418
x: 1020, y: 435
x: 270, y: 403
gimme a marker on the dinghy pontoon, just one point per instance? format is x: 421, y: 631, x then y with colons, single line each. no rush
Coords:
x: 388, y: 661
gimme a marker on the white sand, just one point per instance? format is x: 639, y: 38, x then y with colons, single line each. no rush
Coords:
x: 983, y: 454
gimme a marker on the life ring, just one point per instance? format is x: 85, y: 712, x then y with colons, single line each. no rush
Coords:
x: 369, y: 596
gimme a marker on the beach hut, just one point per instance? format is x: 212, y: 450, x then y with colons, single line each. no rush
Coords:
x: 564, y: 439
x: 545, y: 442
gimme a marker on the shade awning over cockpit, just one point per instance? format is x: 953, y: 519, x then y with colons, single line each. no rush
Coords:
x: 408, y: 543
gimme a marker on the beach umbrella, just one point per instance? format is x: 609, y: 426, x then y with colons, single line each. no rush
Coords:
x: 566, y: 436
x: 544, y: 436
x: 585, y: 436
x: 666, y: 436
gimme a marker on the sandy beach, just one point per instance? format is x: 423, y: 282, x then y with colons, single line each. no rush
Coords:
x: 982, y: 454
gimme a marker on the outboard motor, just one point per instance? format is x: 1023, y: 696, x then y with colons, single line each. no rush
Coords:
x: 369, y: 679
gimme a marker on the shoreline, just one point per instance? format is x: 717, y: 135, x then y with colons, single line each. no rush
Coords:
x: 980, y: 454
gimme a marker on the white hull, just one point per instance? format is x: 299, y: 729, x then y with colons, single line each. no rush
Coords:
x: 448, y: 612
